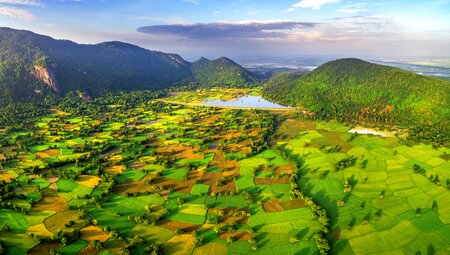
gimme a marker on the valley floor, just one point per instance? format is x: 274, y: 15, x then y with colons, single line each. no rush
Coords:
x: 171, y: 178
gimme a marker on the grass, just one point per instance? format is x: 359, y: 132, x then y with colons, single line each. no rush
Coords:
x: 444, y: 232
x: 42, y: 183
x: 179, y: 173
x: 278, y: 217
x: 14, y: 220
x: 192, y: 209
x: 124, y: 206
x: 179, y: 244
x: 427, y: 221
x: 65, y: 185
x: 39, y: 148
x: 57, y: 221
x: 244, y: 183
x: 34, y: 218
x: 74, y: 248
x: 389, y: 171
x: 107, y: 218
x: 231, y: 202
x: 80, y: 191
x: 273, y: 158
x: 187, y: 218
x: 153, y: 234
x: 17, y: 243
x: 200, y: 189
x: 129, y: 175
x: 210, y: 248
x: 250, y: 165
x: 399, y: 236
x: 132, y: 205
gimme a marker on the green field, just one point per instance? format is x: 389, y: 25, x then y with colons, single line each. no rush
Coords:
x: 198, y: 180
x: 389, y: 206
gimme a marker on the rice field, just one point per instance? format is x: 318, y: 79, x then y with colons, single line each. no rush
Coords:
x: 180, y: 179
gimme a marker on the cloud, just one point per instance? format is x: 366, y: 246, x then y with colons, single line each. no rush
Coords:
x: 12, y: 12
x: 356, y: 28
x: 22, y: 2
x: 244, y: 29
x: 314, y: 4
x: 354, y: 8
x: 353, y: 35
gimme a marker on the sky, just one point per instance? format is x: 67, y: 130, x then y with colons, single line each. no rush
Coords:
x: 386, y: 29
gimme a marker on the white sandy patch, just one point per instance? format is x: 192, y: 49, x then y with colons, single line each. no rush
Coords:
x: 371, y: 131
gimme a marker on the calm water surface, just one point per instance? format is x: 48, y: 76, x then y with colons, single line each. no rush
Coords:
x: 245, y: 101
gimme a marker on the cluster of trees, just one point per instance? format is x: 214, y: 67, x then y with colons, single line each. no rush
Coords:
x: 7, y: 194
x: 20, y: 115
x: 330, y: 149
x: 345, y: 163
x: 418, y: 169
x: 230, y: 227
x: 318, y: 212
x: 437, y: 133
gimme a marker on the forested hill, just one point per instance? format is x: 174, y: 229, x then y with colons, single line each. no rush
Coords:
x: 221, y: 72
x: 33, y: 66
x: 353, y: 89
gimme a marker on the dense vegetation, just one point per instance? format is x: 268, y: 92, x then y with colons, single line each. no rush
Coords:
x: 33, y: 66
x: 352, y: 89
x: 94, y: 69
x: 21, y: 115
x: 114, y: 177
x: 221, y: 72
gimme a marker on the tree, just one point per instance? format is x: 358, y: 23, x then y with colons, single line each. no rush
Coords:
x: 418, y: 211
x: 434, y: 206
x: 293, y: 239
x: 322, y: 244
x: 198, y: 241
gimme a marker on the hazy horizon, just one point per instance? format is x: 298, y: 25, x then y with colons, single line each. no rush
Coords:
x: 246, y: 28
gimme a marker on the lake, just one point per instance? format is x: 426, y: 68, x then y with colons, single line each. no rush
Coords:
x: 245, y: 102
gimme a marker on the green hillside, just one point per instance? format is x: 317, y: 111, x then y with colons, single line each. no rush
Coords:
x: 34, y: 66
x: 221, y: 72
x: 31, y: 65
x: 352, y: 89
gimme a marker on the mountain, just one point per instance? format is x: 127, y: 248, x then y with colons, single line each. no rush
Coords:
x: 358, y: 90
x: 33, y: 66
x: 221, y: 72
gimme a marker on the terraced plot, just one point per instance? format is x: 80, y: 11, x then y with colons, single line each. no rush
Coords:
x: 388, y: 205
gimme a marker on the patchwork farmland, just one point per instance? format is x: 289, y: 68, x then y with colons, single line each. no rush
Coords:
x: 166, y: 178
